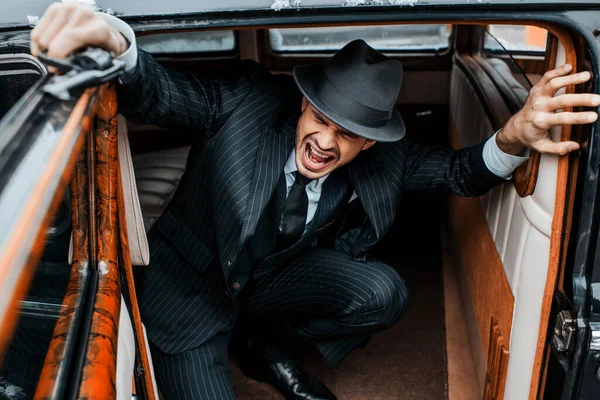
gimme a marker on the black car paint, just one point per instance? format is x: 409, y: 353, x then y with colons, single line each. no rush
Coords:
x: 17, y: 14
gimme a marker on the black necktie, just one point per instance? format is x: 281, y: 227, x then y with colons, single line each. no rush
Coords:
x: 295, y: 210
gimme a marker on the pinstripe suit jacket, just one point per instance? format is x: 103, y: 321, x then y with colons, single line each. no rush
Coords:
x: 242, y: 124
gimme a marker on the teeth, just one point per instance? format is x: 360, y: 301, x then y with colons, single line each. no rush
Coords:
x: 319, y: 153
x: 311, y: 158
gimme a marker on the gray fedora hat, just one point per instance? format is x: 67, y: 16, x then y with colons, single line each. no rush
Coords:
x: 356, y: 89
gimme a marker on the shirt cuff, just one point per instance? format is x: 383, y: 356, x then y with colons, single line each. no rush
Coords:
x: 129, y: 57
x: 499, y: 162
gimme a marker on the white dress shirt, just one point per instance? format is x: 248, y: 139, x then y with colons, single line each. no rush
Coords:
x: 313, y: 189
x: 497, y: 161
x: 129, y: 56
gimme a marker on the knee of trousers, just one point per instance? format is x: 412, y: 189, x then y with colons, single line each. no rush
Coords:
x: 390, y: 296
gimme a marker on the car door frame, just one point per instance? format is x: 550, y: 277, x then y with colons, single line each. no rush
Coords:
x: 48, y: 144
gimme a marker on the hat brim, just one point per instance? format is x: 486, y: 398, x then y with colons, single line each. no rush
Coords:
x: 306, y: 75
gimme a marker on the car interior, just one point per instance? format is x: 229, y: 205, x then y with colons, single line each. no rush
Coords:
x: 481, y: 272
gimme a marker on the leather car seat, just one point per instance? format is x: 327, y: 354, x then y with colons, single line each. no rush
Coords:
x: 158, y: 174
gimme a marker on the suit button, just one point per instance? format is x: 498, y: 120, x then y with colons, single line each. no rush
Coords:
x: 235, y: 285
x: 228, y: 263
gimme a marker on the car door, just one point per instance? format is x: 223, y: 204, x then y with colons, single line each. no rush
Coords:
x: 574, y: 356
x: 69, y: 322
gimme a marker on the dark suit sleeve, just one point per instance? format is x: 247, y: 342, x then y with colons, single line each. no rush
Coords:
x: 438, y: 169
x: 169, y: 98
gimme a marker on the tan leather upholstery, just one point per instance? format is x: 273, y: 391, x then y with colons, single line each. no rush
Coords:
x: 520, y: 227
x: 138, y: 243
x: 158, y: 174
x: 511, y: 90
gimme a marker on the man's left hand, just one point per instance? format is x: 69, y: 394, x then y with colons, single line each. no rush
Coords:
x: 529, y: 128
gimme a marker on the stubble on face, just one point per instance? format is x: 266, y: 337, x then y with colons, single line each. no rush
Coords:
x: 322, y: 146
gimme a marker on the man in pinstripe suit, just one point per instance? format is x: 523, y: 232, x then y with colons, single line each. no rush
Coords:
x: 270, y: 152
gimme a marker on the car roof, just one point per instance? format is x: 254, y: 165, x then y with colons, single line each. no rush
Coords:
x: 17, y: 14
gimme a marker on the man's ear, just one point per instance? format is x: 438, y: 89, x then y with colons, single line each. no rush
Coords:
x: 368, y: 144
x: 304, y: 103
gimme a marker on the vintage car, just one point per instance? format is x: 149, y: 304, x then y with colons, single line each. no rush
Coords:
x: 505, y: 288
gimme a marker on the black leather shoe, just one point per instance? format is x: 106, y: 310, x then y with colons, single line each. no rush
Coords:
x: 287, y: 377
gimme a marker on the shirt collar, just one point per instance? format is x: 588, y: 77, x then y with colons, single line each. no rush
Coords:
x: 290, y: 168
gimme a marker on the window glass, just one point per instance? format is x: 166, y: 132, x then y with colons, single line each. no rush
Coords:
x: 386, y: 37
x: 39, y: 310
x: 516, y: 38
x: 188, y: 42
x: 17, y: 75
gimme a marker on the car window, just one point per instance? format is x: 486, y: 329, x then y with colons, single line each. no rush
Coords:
x: 188, y: 42
x: 419, y: 37
x: 39, y: 310
x: 41, y: 291
x: 517, y: 38
x: 17, y: 74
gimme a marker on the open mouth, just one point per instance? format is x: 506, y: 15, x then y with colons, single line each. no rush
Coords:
x: 316, y: 160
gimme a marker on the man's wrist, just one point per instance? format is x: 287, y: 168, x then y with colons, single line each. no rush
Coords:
x: 498, y: 162
x: 506, y: 138
x: 124, y: 35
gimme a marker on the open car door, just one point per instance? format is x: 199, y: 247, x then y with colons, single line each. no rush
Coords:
x: 69, y: 322
x: 575, y: 334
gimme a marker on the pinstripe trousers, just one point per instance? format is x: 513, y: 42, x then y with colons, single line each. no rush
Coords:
x: 323, y: 298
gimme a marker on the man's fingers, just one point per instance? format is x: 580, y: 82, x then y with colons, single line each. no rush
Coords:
x: 60, y: 31
x: 51, y: 31
x: 567, y: 118
x: 99, y: 34
x: 95, y: 33
x: 553, y: 73
x: 35, y: 49
x: 64, y: 44
x: 45, y: 21
x: 41, y: 26
x: 573, y: 100
x: 560, y: 82
x: 547, y: 146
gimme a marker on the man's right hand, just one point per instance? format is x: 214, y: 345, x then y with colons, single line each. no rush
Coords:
x: 67, y: 27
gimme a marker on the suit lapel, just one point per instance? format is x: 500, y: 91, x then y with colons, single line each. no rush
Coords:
x: 273, y: 152
x: 379, y: 193
x: 335, y: 189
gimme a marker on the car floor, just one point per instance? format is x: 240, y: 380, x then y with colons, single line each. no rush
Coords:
x: 407, y: 361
